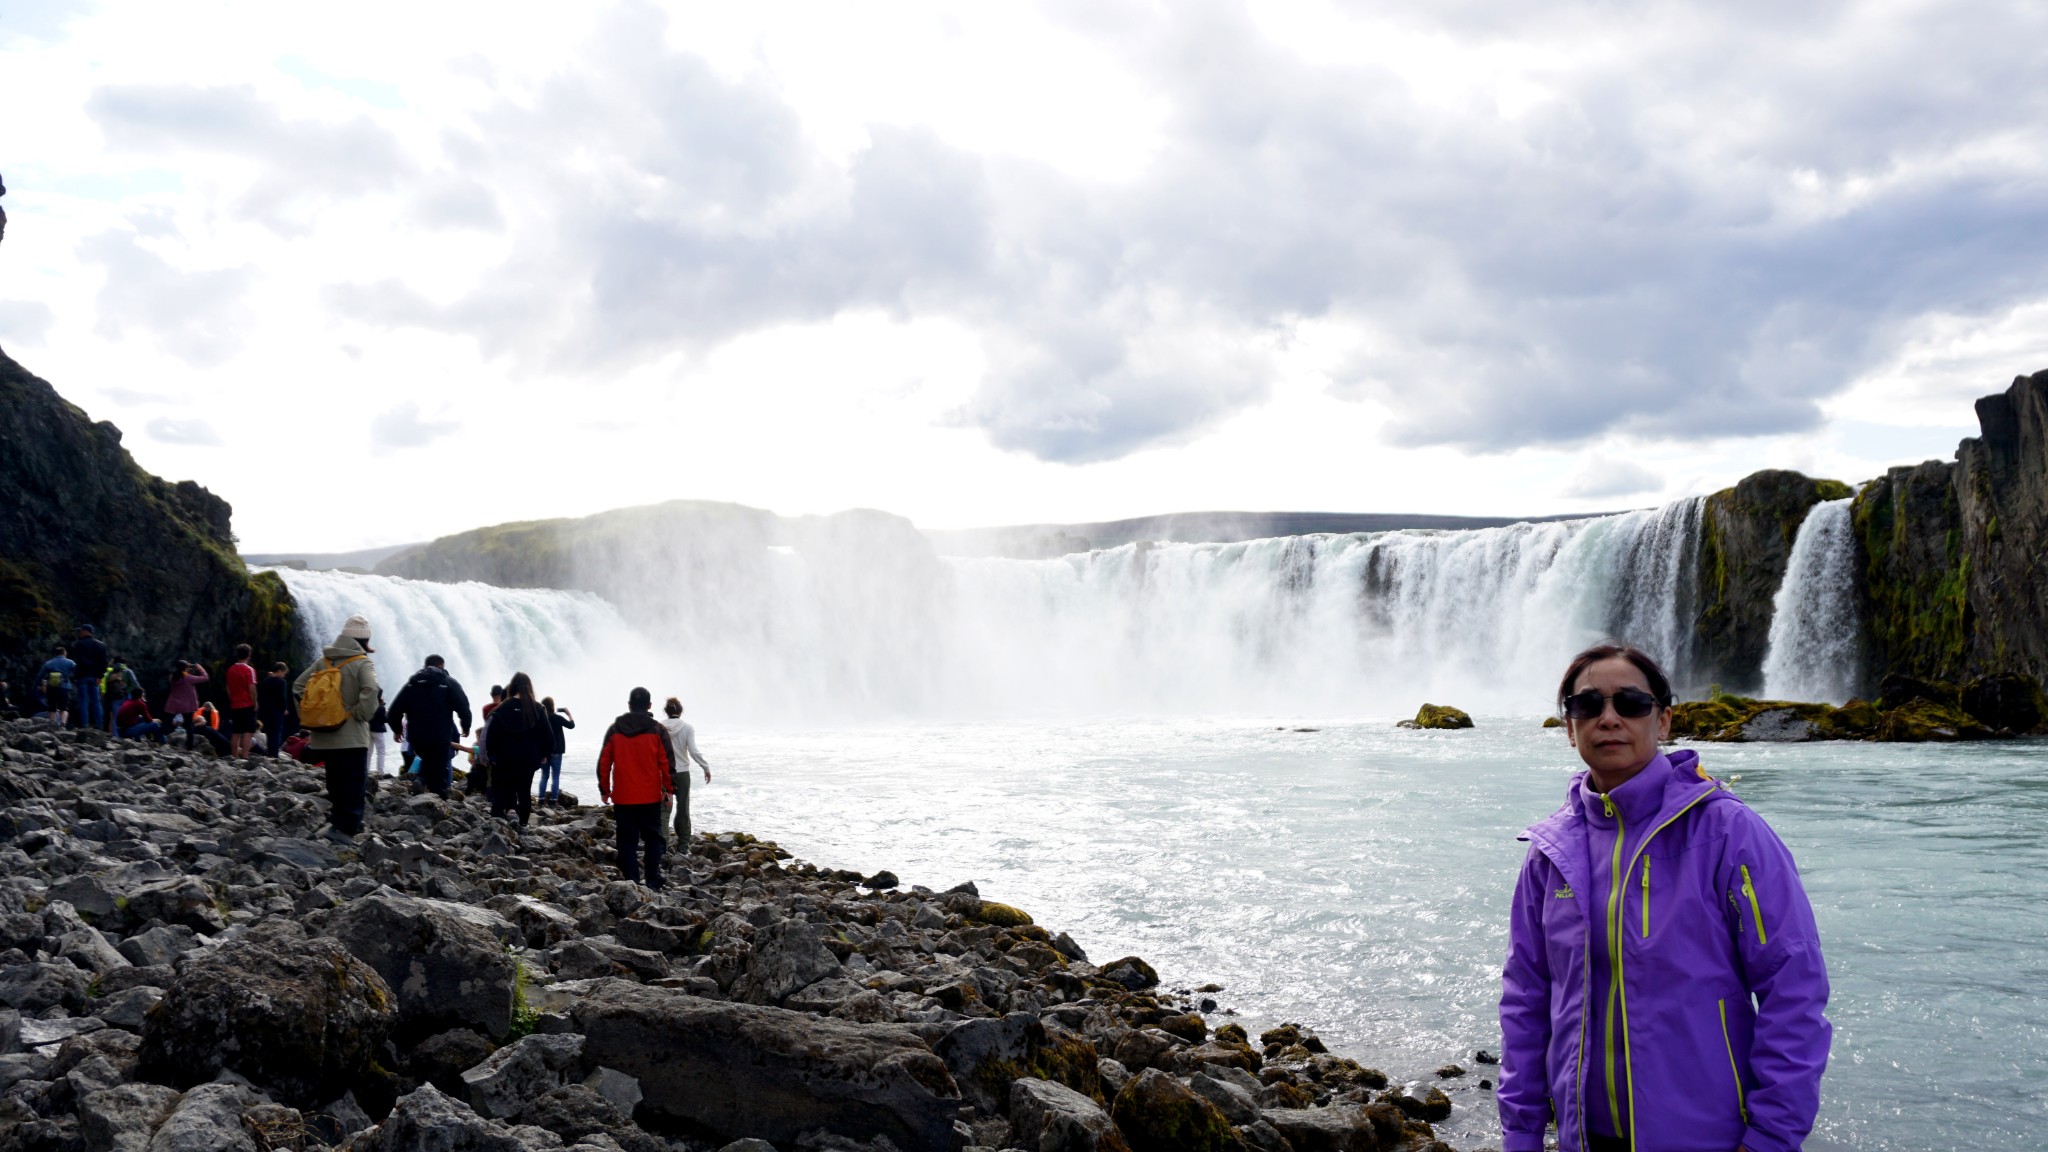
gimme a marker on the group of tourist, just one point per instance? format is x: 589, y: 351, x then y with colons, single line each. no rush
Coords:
x: 334, y: 714
x: 642, y: 765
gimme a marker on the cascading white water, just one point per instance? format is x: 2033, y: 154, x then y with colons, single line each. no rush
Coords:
x: 1328, y: 625
x: 574, y: 645
x: 1815, y: 648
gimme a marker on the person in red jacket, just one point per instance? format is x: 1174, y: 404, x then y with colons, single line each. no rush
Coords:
x: 633, y: 776
x: 241, y: 703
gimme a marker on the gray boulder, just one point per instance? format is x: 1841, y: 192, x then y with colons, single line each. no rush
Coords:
x: 985, y: 1055
x: 159, y: 946
x: 1336, y: 1128
x: 207, y: 1119
x: 1238, y: 1104
x: 36, y: 987
x: 129, y: 1009
x: 517, y: 1073
x: 1049, y: 1117
x: 742, y: 1069
x: 298, y: 1016
x: 123, y: 1118
x: 448, y: 969
x: 184, y: 901
x: 788, y: 955
x: 428, y: 1121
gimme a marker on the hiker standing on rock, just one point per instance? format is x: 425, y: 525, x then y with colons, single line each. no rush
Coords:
x: 434, y: 712
x: 241, y: 678
x: 519, y: 738
x: 336, y: 698
x: 274, y: 703
x: 90, y: 654
x: 682, y: 739
x: 53, y: 680
x: 551, y: 772
x: 1692, y: 1018
x: 183, y: 699
x: 634, y: 772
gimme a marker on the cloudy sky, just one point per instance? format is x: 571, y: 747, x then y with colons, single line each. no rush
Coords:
x: 438, y: 265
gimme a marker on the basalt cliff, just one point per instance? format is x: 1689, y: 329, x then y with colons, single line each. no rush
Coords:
x: 88, y: 537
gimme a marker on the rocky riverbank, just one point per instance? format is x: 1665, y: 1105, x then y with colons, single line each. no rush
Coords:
x: 186, y: 964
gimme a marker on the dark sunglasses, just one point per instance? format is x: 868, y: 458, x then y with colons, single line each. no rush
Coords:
x: 1629, y: 703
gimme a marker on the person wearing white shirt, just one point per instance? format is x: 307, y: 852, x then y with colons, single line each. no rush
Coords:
x: 682, y: 740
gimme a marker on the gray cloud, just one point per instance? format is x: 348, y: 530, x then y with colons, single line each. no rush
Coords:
x: 1713, y: 218
x: 192, y: 433
x: 1604, y: 479
x: 402, y: 427
x: 305, y: 161
x: 196, y: 316
x: 25, y: 320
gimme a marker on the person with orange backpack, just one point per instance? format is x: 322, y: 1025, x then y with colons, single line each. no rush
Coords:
x: 336, y: 697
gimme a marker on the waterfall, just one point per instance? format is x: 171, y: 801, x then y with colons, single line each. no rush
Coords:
x: 1815, y: 648
x: 1365, y: 624
x: 574, y: 645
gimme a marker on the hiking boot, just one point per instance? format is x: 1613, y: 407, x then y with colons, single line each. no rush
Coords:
x: 340, y: 837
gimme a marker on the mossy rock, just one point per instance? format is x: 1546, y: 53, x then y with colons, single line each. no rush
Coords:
x: 1001, y: 915
x: 1553, y: 722
x: 1441, y: 716
x: 1157, y: 1113
x: 1924, y: 721
x: 1233, y: 1034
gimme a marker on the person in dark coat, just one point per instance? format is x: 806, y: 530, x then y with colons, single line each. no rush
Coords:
x: 273, y: 707
x: 433, y: 711
x: 551, y: 772
x: 90, y: 654
x: 519, y: 739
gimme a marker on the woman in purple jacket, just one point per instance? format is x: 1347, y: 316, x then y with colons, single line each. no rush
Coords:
x: 1664, y: 983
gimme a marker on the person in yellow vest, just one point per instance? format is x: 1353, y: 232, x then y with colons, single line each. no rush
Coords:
x: 337, y: 695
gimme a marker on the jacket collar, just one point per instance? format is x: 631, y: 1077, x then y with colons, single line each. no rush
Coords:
x: 1680, y: 783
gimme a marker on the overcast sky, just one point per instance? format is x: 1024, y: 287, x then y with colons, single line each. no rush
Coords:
x: 421, y: 267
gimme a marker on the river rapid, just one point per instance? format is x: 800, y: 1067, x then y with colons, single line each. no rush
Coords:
x: 1356, y: 878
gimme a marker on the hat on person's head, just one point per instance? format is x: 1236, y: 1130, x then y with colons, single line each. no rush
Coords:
x: 85, y: 628
x: 357, y: 628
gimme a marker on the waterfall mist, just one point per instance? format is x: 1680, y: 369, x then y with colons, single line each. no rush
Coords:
x: 1816, y: 645
x: 857, y: 617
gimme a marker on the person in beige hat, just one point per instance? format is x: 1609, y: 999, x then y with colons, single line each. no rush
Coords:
x: 344, y: 749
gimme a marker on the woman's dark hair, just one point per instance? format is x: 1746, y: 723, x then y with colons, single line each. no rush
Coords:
x: 519, y: 685
x: 1660, y: 684
x: 548, y: 702
x: 673, y: 707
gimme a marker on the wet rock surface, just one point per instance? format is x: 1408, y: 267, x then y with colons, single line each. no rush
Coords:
x: 185, y: 964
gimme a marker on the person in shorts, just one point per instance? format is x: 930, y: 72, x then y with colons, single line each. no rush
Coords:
x: 241, y: 678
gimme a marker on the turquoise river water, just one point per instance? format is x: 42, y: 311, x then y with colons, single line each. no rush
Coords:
x: 1356, y: 878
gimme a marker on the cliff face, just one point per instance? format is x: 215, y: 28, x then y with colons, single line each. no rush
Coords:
x: 88, y: 537
x: 1746, y: 535
x: 1954, y: 552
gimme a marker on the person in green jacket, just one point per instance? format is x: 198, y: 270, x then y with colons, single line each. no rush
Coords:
x: 344, y: 751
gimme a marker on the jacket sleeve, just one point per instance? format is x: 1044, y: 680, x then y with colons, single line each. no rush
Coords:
x: 394, y: 712
x: 668, y: 767
x: 1524, y: 1095
x: 299, y: 683
x: 604, y: 766
x: 461, y: 705
x: 1779, y: 945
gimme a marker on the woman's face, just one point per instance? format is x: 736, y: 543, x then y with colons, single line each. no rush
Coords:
x: 1612, y: 745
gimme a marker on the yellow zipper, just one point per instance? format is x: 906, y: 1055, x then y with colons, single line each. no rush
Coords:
x: 1628, y: 1060
x: 1646, y: 897
x: 1756, y: 909
x: 1614, y: 991
x: 1741, y: 1105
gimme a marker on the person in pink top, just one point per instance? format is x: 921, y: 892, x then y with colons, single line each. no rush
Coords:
x: 241, y: 679
x: 183, y: 699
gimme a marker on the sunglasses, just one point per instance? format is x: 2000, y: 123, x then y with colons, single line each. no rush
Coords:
x: 1629, y: 703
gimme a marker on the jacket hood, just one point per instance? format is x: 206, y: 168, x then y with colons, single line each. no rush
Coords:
x: 429, y: 676
x: 638, y: 724
x: 343, y: 648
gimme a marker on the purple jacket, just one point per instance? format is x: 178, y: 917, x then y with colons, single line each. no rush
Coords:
x: 1709, y: 913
